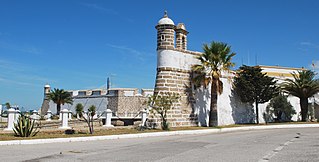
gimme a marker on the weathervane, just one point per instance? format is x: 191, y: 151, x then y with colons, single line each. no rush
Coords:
x: 165, y: 13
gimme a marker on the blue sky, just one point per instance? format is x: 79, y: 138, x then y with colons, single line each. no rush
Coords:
x: 77, y: 44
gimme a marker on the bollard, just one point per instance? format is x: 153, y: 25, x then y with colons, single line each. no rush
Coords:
x: 49, y: 115
x: 65, y: 114
x: 16, y: 116
x: 144, y: 116
x: 108, y: 117
x: 34, y: 115
x: 70, y: 115
x: 60, y: 116
x: 11, y: 119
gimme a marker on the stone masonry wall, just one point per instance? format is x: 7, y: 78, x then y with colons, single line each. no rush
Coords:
x: 122, y: 105
x: 177, y: 81
x: 165, y: 36
x: 131, y: 104
x: 113, y: 103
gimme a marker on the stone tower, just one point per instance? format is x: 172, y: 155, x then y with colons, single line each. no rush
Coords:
x: 165, y: 33
x: 47, y: 89
x: 45, y: 103
x: 174, y: 69
x: 181, y: 36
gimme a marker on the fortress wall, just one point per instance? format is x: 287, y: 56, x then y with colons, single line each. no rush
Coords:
x: 195, y: 104
x: 232, y: 111
x: 177, y: 81
x: 173, y: 75
x: 130, y: 104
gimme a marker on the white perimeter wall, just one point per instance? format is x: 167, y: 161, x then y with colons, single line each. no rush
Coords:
x: 230, y: 109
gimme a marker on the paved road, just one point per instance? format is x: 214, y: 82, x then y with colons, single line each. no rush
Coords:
x: 256, y: 146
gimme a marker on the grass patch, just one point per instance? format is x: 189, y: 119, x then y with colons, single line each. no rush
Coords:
x: 45, y: 134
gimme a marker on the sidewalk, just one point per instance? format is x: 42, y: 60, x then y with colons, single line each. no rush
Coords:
x: 155, y: 134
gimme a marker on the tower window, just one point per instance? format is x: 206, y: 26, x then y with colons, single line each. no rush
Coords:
x: 162, y: 37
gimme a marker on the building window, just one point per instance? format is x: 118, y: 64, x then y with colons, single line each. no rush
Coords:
x: 82, y: 93
x: 162, y: 37
x: 96, y: 93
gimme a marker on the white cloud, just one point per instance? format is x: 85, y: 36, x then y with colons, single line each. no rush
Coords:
x: 10, y: 81
x: 22, y: 48
x: 138, y: 54
x: 16, y: 73
x: 100, y: 8
x: 310, y: 44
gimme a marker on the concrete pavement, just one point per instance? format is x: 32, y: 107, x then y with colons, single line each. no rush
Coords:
x: 155, y: 134
x: 298, y: 144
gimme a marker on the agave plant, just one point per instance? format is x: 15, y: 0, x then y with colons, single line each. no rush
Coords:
x: 25, y: 127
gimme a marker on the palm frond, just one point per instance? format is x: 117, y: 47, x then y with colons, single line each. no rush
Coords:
x: 304, y: 84
x: 216, y: 57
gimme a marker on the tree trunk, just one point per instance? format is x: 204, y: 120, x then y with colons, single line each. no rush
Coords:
x: 58, y: 109
x: 257, y: 112
x: 304, y: 109
x: 279, y: 116
x: 92, y: 125
x: 213, y: 116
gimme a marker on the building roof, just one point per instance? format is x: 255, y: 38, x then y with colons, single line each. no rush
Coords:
x: 279, y: 67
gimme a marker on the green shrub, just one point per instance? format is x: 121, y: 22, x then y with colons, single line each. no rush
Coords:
x: 280, y: 108
x: 25, y: 127
x: 79, y: 109
x: 55, y: 117
x: 161, y: 103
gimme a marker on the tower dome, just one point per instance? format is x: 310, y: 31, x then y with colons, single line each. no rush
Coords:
x: 165, y: 33
x: 165, y: 20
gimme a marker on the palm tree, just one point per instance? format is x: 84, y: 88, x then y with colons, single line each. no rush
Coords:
x: 216, y: 58
x: 60, y: 96
x: 8, y: 106
x: 303, y: 86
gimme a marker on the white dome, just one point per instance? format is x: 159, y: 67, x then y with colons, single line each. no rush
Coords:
x: 180, y: 26
x: 47, y: 86
x: 165, y: 20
